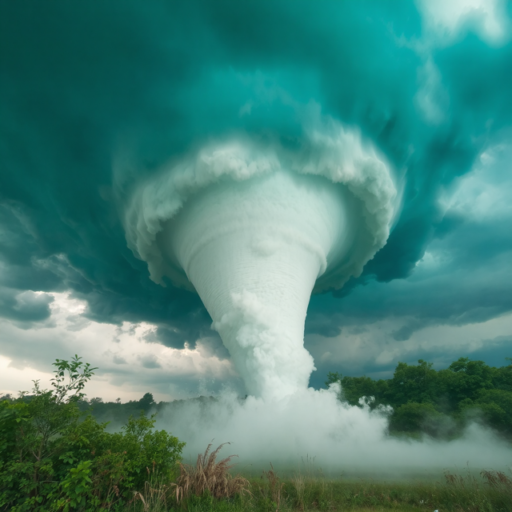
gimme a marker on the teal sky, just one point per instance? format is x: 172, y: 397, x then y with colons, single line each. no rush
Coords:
x: 86, y: 85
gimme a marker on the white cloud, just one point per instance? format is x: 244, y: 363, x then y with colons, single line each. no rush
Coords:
x: 485, y: 192
x: 431, y: 98
x: 445, y: 19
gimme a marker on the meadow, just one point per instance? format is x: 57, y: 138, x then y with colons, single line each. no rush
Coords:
x: 208, y: 486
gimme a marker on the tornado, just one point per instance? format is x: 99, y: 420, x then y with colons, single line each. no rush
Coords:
x: 255, y: 229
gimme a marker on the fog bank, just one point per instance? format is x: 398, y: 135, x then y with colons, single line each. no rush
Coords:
x: 315, y: 425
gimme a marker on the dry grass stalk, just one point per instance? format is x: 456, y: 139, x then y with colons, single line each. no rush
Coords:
x: 275, y: 487
x: 299, y: 482
x: 497, y: 480
x: 461, y: 482
x: 494, y: 479
x: 154, y: 498
x: 155, y: 494
x: 454, y: 480
x: 209, y: 475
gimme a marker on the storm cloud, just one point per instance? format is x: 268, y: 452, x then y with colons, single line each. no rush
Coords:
x: 96, y: 97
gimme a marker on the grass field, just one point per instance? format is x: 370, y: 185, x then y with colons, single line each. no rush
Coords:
x: 326, y: 495
x: 209, y: 486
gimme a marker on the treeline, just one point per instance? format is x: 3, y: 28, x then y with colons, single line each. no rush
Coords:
x: 439, y: 403
x: 117, y: 413
x: 57, y: 454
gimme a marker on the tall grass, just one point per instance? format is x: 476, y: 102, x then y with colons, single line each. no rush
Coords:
x: 491, y: 492
x: 209, y: 477
x: 270, y: 495
x: 209, y: 487
x: 155, y: 495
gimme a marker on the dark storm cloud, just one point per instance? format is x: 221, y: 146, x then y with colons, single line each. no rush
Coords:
x: 85, y: 82
x: 465, y: 277
x: 149, y: 361
x: 25, y: 307
x: 172, y: 337
x: 472, y: 285
x: 496, y: 352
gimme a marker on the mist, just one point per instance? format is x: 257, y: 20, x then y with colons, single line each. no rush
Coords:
x: 337, y: 438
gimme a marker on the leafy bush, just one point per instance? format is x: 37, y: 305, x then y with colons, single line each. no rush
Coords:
x: 55, y: 458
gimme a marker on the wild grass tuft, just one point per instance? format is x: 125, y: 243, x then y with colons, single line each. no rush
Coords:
x: 209, y: 477
x: 270, y: 492
x: 310, y: 485
x: 497, y: 480
x: 155, y: 495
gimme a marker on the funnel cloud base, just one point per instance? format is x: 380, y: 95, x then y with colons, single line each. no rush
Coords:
x: 253, y: 251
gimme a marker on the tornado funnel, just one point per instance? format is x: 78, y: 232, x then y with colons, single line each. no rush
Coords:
x: 255, y: 231
x: 253, y: 250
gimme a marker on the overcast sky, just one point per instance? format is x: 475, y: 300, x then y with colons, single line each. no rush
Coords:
x: 84, y: 85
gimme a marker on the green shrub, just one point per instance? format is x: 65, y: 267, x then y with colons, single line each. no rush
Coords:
x: 53, y: 458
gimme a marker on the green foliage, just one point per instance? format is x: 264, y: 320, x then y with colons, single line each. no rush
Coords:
x: 414, y: 417
x: 438, y: 403
x: 55, y: 458
x: 495, y: 406
x: 354, y: 388
x: 76, y: 374
x: 413, y: 383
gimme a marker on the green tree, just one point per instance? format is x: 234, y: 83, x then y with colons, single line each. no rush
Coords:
x: 146, y: 402
x: 355, y: 388
x: 502, y: 377
x: 411, y: 417
x: 439, y: 403
x: 467, y: 379
x: 413, y: 383
x: 494, y: 407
